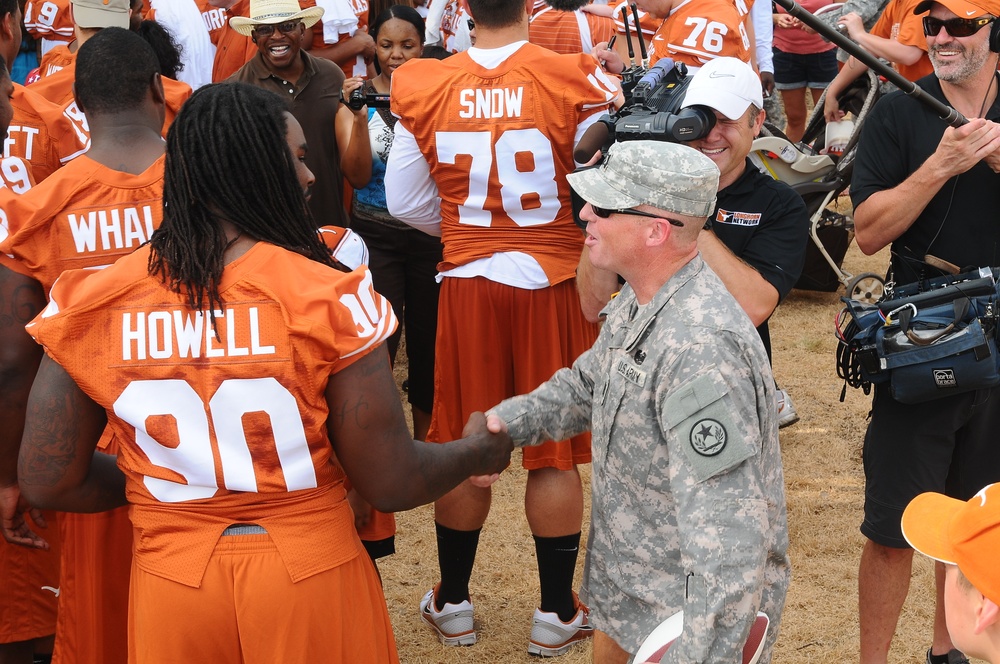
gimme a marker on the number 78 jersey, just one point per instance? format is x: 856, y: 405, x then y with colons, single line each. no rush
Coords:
x: 499, y: 144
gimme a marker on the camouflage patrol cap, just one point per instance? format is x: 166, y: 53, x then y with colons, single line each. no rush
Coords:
x: 667, y: 176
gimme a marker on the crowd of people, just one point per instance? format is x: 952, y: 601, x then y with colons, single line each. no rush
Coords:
x: 220, y: 219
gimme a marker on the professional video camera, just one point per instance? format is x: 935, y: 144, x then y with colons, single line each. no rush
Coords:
x: 359, y: 98
x: 652, y: 108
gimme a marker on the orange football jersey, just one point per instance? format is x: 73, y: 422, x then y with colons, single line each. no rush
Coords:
x: 232, y: 50
x: 48, y: 19
x: 84, y: 215
x: 215, y: 19
x: 499, y: 143
x: 569, y: 32
x: 701, y: 30
x: 58, y: 89
x: 42, y: 134
x: 56, y: 58
x: 648, y: 24
x: 224, y: 423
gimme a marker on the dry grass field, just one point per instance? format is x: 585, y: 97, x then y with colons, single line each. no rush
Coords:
x: 823, y: 475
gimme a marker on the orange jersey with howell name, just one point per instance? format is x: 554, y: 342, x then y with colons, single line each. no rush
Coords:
x: 221, y: 419
x: 701, y: 30
x: 49, y: 19
x: 499, y: 143
x: 84, y: 215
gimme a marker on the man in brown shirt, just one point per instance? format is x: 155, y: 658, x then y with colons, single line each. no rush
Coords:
x: 312, y: 86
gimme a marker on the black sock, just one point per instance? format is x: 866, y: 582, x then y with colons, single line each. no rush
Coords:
x: 556, y: 565
x: 456, y: 556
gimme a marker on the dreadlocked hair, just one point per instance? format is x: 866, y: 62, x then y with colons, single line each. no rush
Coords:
x: 228, y: 159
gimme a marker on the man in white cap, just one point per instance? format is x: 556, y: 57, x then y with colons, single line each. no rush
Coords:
x: 756, y: 236
x: 965, y: 537
x: 688, y: 508
x: 926, y: 189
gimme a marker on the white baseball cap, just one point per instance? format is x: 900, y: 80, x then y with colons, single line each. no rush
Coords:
x: 727, y: 85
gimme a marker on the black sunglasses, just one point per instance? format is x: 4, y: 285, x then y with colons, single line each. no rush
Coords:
x: 472, y: 25
x: 604, y: 213
x: 286, y: 28
x: 956, y: 27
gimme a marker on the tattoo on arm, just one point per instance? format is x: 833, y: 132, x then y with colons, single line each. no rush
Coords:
x: 53, y: 439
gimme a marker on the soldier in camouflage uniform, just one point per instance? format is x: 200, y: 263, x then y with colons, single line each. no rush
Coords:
x: 688, y: 506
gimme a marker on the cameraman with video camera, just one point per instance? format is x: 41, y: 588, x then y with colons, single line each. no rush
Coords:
x: 756, y: 237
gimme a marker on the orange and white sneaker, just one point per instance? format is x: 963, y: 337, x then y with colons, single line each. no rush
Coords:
x: 453, y: 623
x: 551, y: 637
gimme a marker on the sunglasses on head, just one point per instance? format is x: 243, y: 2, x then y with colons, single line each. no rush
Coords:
x: 286, y: 28
x: 604, y: 213
x: 956, y: 27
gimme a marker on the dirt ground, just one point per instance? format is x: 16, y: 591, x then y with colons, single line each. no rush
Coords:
x: 824, y: 482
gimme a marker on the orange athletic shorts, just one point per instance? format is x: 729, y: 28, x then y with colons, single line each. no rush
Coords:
x: 30, y: 582
x: 248, y: 611
x: 93, y: 599
x: 496, y: 341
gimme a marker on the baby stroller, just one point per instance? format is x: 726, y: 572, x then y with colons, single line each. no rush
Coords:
x: 820, y: 178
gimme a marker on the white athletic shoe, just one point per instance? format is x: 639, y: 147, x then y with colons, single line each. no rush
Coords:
x: 786, y: 410
x: 453, y: 623
x: 551, y: 637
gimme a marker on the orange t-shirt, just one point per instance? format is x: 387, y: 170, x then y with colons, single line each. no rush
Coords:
x: 225, y: 425
x: 702, y: 30
x: 354, y: 66
x: 900, y: 23
x: 42, y: 134
x: 232, y: 50
x: 648, y: 25
x: 569, y: 32
x: 499, y: 143
x: 48, y: 19
x: 84, y: 215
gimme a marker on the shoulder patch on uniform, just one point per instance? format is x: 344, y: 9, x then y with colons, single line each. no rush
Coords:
x: 708, y: 437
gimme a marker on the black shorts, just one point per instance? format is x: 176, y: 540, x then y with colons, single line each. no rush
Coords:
x: 403, y: 263
x: 947, y: 445
x: 813, y: 70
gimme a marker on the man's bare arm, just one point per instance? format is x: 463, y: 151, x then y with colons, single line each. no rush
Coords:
x: 58, y: 466
x: 885, y: 215
x: 389, y: 469
x: 21, y: 298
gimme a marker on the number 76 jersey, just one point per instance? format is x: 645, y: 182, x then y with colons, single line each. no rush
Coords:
x: 499, y: 143
x: 701, y: 30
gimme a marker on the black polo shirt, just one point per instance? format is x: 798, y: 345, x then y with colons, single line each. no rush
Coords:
x: 765, y: 223
x: 960, y: 223
x: 313, y: 100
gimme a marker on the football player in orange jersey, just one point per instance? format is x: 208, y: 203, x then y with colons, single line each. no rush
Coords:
x: 481, y: 150
x: 95, y: 209
x: 245, y: 550
x: 27, y: 610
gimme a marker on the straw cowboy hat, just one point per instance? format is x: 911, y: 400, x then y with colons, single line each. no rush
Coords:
x: 272, y: 12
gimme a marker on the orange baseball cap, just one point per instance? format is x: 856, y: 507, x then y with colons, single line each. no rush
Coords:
x: 960, y: 533
x: 962, y: 8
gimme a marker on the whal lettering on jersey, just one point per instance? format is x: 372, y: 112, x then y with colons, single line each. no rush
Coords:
x: 110, y: 229
x: 182, y: 334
